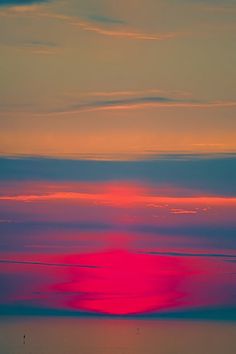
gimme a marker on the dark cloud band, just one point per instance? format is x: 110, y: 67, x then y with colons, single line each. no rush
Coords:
x: 7, y: 3
x: 211, y: 174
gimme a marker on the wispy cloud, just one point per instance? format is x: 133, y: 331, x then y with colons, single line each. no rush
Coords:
x: 137, y: 93
x: 183, y: 211
x: 123, y: 199
x: 106, y: 20
x: 9, y: 261
x: 40, y: 47
x: 119, y: 101
x: 33, y: 46
x: 192, y: 254
x: 111, y: 32
x: 118, y: 33
x: 133, y: 103
x: 101, y: 25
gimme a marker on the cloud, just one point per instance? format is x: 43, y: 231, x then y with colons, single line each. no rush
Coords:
x: 106, y: 20
x: 133, y: 103
x: 96, y: 24
x: 9, y: 3
x: 106, y: 31
x: 34, y: 46
x: 40, y: 47
x: 38, y: 43
x: 32, y: 228
x: 182, y: 211
x: 191, y: 254
x: 218, y: 235
x: 135, y: 93
x: 202, y: 173
x: 123, y: 200
x: 196, y: 239
x: 9, y: 261
x: 122, y: 102
x: 125, y: 33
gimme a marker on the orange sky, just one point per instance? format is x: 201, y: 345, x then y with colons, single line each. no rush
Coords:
x: 107, y: 78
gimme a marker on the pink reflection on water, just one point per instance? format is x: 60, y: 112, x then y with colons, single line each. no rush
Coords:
x: 125, y: 283
x: 122, y: 282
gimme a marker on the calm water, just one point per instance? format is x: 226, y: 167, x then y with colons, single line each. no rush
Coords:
x: 105, y: 336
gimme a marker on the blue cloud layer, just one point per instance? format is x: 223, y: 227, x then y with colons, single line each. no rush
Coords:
x: 6, y: 3
x: 209, y: 174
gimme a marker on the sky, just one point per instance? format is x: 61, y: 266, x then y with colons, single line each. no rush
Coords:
x: 118, y: 158
x: 105, y: 77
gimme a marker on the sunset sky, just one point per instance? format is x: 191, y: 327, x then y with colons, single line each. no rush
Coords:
x: 108, y: 78
x: 118, y: 158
